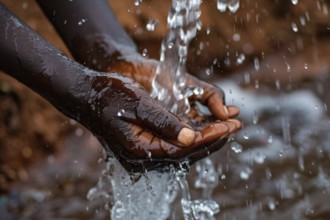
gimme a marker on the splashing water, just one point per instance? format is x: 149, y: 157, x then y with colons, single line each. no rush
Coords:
x: 183, y: 23
x: 152, y: 192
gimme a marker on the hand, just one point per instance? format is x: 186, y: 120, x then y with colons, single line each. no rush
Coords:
x: 140, y: 132
x: 143, y: 70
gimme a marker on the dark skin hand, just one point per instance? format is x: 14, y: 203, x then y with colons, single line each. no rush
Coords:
x: 143, y: 70
x: 115, y: 108
x: 102, y: 44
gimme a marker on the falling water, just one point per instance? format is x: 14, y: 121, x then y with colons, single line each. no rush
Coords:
x: 183, y: 23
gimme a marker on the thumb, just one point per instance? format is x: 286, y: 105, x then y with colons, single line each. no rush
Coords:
x: 152, y: 116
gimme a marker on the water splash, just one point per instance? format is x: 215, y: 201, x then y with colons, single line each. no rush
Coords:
x: 152, y: 192
x: 195, y: 209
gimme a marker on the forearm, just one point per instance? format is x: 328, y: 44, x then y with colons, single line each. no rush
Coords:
x: 90, y: 30
x: 34, y: 62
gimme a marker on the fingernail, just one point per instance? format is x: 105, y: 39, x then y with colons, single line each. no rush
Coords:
x: 237, y: 123
x: 226, y: 110
x: 186, y: 136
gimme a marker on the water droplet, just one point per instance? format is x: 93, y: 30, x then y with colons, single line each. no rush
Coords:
x: 278, y: 84
x: 305, y: 66
x: 82, y: 21
x: 233, y: 5
x: 198, y: 91
x: 294, y: 27
x: 208, y: 71
x: 245, y: 173
x: 268, y: 174
x: 240, y: 58
x: 256, y: 84
x: 259, y: 158
x: 302, y: 21
x: 280, y: 154
x: 137, y: 2
x: 208, y: 30
x: 270, y: 139
x: 227, y: 61
x: 222, y: 5
x: 286, y: 131
x: 309, y: 212
x: 247, y: 79
x: 294, y: 2
x: 121, y: 112
x: 144, y: 52
x: 256, y: 64
x: 301, y: 163
x: 246, y: 136
x: 152, y: 24
x: 236, y: 147
x: 271, y: 205
x: 236, y: 37
x: 255, y: 117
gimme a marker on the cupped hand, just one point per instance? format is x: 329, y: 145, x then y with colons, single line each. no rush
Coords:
x: 136, y: 128
x: 143, y: 70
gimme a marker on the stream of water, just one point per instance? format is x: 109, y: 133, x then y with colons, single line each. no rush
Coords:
x: 168, y: 86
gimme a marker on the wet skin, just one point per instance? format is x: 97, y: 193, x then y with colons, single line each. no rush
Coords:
x: 115, y: 108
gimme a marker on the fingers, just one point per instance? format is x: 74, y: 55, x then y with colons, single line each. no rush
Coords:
x: 143, y: 144
x: 153, y: 117
x: 213, y: 97
x: 211, y: 133
x: 205, y: 139
x: 232, y: 111
x: 217, y: 130
x: 217, y: 106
